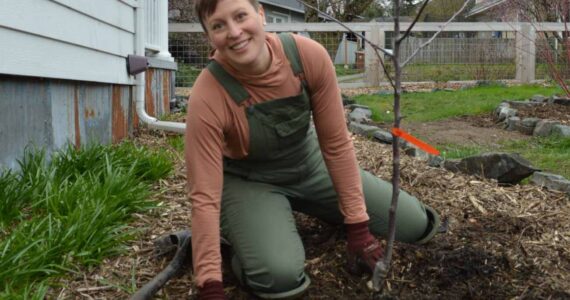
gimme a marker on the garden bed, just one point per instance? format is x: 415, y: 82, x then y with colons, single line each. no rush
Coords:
x: 550, y: 111
x: 502, y: 242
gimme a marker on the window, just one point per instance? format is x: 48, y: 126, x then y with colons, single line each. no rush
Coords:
x: 275, y: 17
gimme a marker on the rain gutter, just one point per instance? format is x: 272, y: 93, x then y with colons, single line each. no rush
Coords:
x: 152, y: 122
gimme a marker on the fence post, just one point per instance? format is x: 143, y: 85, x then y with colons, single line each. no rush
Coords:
x: 373, y: 69
x: 526, y: 53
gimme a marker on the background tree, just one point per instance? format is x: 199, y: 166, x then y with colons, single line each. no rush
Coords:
x: 552, y: 47
x: 181, y: 11
x: 539, y: 10
x: 407, y: 7
x: 442, y: 10
x: 343, y: 10
x: 395, y: 79
x: 375, y: 10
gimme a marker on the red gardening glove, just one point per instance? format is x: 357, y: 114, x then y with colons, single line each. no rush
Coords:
x: 364, y: 250
x: 212, y: 290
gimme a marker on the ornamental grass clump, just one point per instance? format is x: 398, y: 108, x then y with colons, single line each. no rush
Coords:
x: 71, y: 210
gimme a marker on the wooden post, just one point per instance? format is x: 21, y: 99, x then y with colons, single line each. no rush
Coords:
x: 374, y: 73
x: 526, y: 53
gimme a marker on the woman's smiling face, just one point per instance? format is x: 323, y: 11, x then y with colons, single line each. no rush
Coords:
x: 235, y: 29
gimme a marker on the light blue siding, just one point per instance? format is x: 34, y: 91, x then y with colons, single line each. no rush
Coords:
x: 25, y: 111
x: 65, y: 39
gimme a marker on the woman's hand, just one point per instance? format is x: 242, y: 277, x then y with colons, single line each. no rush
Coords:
x: 212, y: 290
x: 363, y: 248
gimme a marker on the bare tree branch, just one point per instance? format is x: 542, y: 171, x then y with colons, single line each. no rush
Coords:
x: 376, y: 47
x: 535, y: 11
x: 409, y: 30
x: 435, y: 35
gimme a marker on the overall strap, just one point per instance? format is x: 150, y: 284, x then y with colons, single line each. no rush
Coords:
x: 230, y: 84
x: 292, y: 52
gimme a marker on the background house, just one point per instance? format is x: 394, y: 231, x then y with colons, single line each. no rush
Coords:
x: 63, y: 74
x: 493, y: 11
x: 283, y: 11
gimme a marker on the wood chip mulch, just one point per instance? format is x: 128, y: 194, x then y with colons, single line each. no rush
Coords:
x: 502, y: 242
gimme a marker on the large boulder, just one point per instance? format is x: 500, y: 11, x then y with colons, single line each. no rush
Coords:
x: 544, y: 127
x: 513, y: 123
x: 559, y: 100
x: 504, y: 167
x: 362, y: 129
x: 435, y: 161
x: 525, y: 126
x: 504, y: 111
x: 416, y: 152
x: 530, y: 122
x: 561, y: 130
x: 383, y: 136
x: 522, y: 104
x: 551, y: 181
x: 360, y: 114
x: 538, y: 99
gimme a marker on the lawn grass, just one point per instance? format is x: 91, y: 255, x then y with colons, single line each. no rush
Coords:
x: 462, y: 72
x: 349, y: 70
x: 458, y: 72
x: 549, y: 154
x: 70, y: 211
x: 432, y: 106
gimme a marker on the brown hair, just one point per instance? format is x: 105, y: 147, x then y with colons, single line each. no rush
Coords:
x: 205, y: 8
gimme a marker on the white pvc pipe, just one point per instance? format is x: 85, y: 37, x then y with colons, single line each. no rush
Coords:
x: 152, y: 122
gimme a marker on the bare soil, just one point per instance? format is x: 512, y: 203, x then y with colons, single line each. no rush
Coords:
x: 481, y: 130
x: 501, y: 242
x: 465, y: 131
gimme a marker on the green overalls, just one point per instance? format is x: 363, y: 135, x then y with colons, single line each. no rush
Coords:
x: 283, y: 172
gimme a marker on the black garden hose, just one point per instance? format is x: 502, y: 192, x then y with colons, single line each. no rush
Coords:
x: 180, y: 240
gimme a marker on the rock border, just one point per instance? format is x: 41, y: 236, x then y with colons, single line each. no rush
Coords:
x: 506, y: 113
x: 359, y: 119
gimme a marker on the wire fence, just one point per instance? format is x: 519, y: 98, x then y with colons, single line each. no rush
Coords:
x: 552, y: 55
x: 460, y: 58
x: 455, y: 56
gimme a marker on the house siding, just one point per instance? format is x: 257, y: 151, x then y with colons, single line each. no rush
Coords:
x: 294, y: 17
x: 63, y: 75
x: 159, y: 91
x: 67, y: 39
x: 50, y: 113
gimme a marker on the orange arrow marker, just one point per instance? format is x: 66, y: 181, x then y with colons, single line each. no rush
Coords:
x: 410, y: 138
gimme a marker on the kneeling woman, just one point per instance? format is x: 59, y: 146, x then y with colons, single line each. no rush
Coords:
x: 253, y: 158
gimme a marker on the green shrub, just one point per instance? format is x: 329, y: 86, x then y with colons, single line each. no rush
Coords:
x: 71, y: 211
x: 186, y: 75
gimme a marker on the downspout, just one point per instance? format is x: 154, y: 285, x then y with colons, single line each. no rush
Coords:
x: 152, y: 122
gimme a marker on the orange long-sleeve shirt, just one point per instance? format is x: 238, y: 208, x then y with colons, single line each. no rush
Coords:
x: 218, y: 127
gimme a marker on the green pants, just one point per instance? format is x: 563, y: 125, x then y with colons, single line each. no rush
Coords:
x: 257, y: 219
